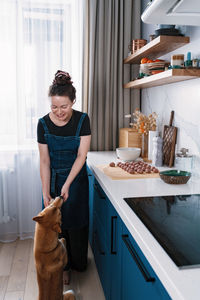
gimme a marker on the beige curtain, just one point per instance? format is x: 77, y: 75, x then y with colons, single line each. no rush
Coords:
x: 110, y: 25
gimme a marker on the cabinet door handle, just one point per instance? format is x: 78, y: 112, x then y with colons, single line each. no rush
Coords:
x: 96, y: 239
x: 98, y: 191
x: 112, y: 234
x: 137, y: 259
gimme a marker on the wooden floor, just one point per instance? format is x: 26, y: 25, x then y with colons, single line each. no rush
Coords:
x: 18, y: 275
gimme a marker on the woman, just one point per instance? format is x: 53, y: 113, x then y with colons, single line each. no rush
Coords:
x: 64, y: 139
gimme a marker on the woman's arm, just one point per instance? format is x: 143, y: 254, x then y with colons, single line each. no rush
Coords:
x: 45, y: 172
x: 78, y: 164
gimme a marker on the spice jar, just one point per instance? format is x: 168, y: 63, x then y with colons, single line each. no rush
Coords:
x: 195, y: 63
x: 184, y: 161
x: 177, y: 60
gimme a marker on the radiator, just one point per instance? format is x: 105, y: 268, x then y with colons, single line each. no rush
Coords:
x: 4, y: 186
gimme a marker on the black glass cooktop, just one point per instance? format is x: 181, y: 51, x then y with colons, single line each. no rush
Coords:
x: 175, y: 223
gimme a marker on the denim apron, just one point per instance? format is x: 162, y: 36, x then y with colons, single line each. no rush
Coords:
x: 63, y: 152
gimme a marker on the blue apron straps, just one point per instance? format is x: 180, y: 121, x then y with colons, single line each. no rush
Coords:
x: 44, y: 126
x: 80, y: 124
x: 77, y: 130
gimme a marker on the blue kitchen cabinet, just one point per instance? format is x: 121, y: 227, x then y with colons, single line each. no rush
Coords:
x: 97, y: 232
x: 138, y: 280
x: 124, y: 271
x: 106, y: 243
x: 91, y: 195
x: 101, y: 206
x: 101, y: 256
x: 115, y: 229
x: 100, y: 237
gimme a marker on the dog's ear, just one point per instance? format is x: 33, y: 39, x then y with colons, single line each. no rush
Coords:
x: 38, y: 218
x: 56, y: 228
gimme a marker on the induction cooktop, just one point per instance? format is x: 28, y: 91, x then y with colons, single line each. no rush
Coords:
x: 175, y: 223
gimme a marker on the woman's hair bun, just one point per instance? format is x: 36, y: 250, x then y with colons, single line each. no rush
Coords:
x: 62, y: 78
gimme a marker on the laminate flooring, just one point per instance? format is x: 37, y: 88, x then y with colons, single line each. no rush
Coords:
x: 18, y: 275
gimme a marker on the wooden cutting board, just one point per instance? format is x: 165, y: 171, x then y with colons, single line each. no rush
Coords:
x: 169, y: 142
x: 116, y: 173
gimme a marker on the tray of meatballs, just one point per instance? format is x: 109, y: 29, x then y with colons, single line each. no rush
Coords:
x: 138, y: 167
x: 129, y: 170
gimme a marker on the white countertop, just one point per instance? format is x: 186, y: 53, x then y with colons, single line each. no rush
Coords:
x: 180, y: 283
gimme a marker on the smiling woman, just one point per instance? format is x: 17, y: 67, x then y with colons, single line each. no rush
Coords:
x: 64, y: 140
x: 36, y: 38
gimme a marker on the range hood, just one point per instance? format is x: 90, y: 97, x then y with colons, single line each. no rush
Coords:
x: 176, y: 12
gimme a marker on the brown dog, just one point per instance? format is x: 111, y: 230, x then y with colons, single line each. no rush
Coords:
x: 50, y: 253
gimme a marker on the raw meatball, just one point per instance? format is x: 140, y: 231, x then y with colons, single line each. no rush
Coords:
x: 131, y: 171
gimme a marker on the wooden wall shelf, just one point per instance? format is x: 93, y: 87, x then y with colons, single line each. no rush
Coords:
x: 165, y: 77
x: 161, y: 45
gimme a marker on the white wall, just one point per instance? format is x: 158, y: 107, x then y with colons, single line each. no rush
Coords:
x: 182, y: 97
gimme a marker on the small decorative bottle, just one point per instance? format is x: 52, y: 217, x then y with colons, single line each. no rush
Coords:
x: 157, y: 151
x: 152, y: 134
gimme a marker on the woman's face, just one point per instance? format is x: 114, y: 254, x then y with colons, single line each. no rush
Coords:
x: 61, y: 107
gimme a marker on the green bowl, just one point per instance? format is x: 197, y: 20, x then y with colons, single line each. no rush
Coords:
x: 175, y: 176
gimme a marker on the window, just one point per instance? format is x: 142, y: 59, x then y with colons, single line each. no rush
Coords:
x: 37, y: 38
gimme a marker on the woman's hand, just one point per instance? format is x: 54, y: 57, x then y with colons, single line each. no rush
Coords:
x: 65, y: 191
x: 47, y: 199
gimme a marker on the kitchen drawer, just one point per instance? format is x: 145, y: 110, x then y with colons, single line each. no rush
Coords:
x: 139, y: 280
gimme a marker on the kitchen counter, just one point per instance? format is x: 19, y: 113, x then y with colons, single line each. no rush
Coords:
x: 181, y: 284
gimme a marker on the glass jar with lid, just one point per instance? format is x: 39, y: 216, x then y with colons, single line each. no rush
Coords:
x: 177, y: 60
x: 184, y: 161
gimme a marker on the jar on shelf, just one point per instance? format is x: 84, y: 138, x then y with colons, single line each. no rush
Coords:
x: 136, y: 45
x: 195, y: 63
x: 177, y: 60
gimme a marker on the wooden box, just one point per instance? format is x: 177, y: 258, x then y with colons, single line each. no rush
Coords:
x: 130, y: 138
